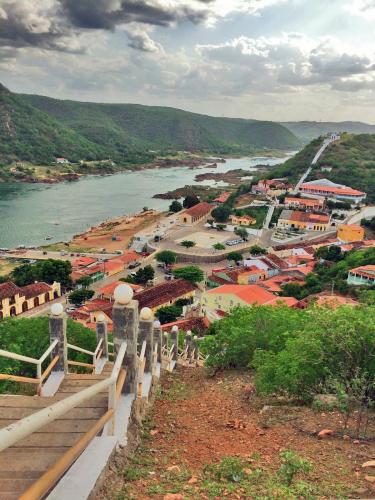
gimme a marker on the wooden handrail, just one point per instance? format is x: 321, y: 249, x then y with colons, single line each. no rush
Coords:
x: 98, y: 348
x: 79, y: 363
x: 49, y: 368
x: 143, y: 351
x: 17, y: 378
x: 44, y: 484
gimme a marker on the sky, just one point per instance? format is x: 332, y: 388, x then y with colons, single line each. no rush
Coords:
x: 279, y: 60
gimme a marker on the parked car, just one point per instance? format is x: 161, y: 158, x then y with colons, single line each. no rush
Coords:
x: 133, y: 265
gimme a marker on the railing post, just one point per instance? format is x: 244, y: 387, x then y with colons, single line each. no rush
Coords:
x: 195, y: 348
x: 102, y: 333
x: 125, y: 326
x: 146, y: 332
x: 57, y: 330
x: 158, y: 336
x: 188, y: 343
x: 174, y: 341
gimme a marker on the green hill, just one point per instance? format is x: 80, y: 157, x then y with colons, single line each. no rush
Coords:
x: 307, y: 131
x: 352, y: 160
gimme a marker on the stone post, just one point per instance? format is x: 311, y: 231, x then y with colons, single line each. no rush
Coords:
x: 125, y: 329
x: 158, y: 337
x: 102, y: 333
x: 188, y: 344
x: 174, y: 340
x: 57, y: 330
x: 165, y: 340
x: 195, y: 348
x: 146, y: 332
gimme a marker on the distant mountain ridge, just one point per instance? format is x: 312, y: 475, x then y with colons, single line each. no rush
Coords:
x: 37, y: 129
x: 307, y: 131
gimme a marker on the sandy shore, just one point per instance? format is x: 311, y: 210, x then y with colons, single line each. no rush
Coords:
x: 123, y: 228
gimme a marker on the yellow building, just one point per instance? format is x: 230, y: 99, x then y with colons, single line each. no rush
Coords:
x: 196, y: 214
x: 242, y: 220
x: 294, y: 219
x: 16, y: 300
x: 350, y: 232
x: 226, y: 297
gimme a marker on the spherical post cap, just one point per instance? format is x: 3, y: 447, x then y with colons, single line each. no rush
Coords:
x: 175, y: 329
x: 123, y: 294
x: 101, y: 318
x: 157, y: 323
x: 189, y: 333
x: 57, y: 309
x: 146, y: 313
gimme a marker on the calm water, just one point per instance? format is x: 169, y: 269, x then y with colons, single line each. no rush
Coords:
x: 29, y: 212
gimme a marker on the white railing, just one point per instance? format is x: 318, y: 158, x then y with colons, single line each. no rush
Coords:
x: 23, y: 428
x: 141, y: 360
x: 96, y: 355
x: 40, y: 377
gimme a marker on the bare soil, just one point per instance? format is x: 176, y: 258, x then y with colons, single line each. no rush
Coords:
x: 197, y: 421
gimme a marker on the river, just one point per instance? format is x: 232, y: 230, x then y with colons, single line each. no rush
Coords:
x: 30, y: 212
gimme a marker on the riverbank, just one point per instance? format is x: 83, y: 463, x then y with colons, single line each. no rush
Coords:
x: 53, y: 174
x: 111, y: 235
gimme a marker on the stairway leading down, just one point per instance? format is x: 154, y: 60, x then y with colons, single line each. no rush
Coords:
x: 31, y: 457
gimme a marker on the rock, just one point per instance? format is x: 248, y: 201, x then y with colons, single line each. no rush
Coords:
x: 193, y: 480
x: 370, y: 479
x: 266, y: 409
x: 325, y: 433
x: 174, y: 468
x: 153, y: 432
x: 346, y: 437
x: 173, y: 496
x: 370, y: 463
x: 356, y: 441
x: 247, y: 472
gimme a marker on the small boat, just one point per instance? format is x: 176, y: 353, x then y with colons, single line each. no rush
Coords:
x: 49, y: 238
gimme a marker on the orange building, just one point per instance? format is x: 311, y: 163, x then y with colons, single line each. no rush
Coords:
x: 350, y: 232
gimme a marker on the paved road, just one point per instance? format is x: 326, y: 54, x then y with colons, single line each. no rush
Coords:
x: 323, y: 147
x: 365, y: 213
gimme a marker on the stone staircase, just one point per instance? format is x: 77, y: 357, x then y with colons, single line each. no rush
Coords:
x: 31, y: 457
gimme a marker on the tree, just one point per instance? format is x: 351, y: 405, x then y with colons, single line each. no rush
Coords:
x: 190, y: 201
x: 175, y: 206
x: 168, y: 314
x: 189, y: 273
x: 49, y: 270
x: 166, y: 257
x: 85, y: 281
x: 332, y: 253
x: 221, y: 227
x: 218, y: 246
x: 234, y: 256
x: 143, y: 275
x: 241, y: 232
x: 188, y: 243
x: 257, y: 250
x: 80, y: 296
x: 221, y: 214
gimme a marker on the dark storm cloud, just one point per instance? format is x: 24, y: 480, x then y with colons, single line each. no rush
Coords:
x: 107, y: 14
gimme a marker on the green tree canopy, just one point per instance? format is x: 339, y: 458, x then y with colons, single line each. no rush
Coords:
x: 80, y: 296
x: 175, y: 206
x: 241, y: 232
x: 190, y: 201
x: 234, y: 256
x: 188, y: 243
x: 221, y: 213
x: 190, y: 273
x: 166, y: 257
x: 143, y: 275
x: 257, y: 250
x: 168, y: 314
x: 49, y: 270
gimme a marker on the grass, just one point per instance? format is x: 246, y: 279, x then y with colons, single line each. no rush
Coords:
x: 61, y: 247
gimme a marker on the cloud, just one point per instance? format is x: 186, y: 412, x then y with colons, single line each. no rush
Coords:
x: 364, y: 8
x: 139, y: 39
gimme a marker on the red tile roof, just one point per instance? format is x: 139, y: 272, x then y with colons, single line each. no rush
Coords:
x: 276, y: 260
x: 307, y: 202
x: 223, y: 197
x: 308, y: 217
x: 366, y: 271
x: 200, y: 324
x: 163, y: 293
x: 83, y: 261
x: 35, y: 289
x: 109, y: 289
x: 199, y: 210
x: 332, y: 189
x: 9, y: 290
x: 128, y: 257
x: 251, y: 294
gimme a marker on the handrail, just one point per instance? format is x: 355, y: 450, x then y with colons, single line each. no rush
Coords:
x: 79, y: 349
x: 16, y: 431
x: 143, y: 351
x: 49, y: 368
x: 18, y: 357
x: 48, y: 351
x: 98, y: 347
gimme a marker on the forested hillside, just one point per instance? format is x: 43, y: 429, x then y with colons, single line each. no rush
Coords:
x: 352, y: 160
x: 307, y: 131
